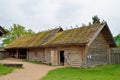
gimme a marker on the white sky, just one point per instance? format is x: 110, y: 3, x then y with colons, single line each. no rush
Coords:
x: 40, y: 15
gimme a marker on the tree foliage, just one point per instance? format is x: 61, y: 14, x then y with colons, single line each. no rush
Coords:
x: 14, y: 32
x: 95, y: 19
x: 117, y: 40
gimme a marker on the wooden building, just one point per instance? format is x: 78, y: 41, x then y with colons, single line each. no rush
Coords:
x: 2, y: 51
x: 2, y: 31
x: 82, y: 47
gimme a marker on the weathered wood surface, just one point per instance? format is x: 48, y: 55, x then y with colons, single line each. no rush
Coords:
x: 115, y: 56
x: 98, y: 52
x: 13, y: 65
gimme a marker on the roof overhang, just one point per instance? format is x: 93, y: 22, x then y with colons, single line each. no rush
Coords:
x: 104, y: 29
x: 68, y: 44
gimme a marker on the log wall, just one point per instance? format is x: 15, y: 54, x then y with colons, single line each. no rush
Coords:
x: 3, y: 54
x: 35, y: 54
x: 72, y: 55
x: 98, y: 52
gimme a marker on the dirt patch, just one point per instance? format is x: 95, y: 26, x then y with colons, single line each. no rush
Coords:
x: 29, y: 72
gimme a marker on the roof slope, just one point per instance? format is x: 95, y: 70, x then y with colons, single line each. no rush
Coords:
x: 77, y: 36
x: 108, y: 35
x: 33, y: 40
x: 81, y: 35
x: 21, y: 41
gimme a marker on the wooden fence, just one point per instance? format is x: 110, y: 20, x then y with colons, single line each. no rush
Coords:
x: 115, y: 56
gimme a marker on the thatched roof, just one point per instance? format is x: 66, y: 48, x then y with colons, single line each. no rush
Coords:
x: 77, y: 36
x: 33, y: 40
x: 82, y: 36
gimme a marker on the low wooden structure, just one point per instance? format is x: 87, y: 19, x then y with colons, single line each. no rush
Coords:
x: 2, y: 51
x: 115, y: 56
x: 82, y: 47
x: 12, y: 65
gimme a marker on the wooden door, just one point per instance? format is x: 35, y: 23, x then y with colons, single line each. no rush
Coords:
x: 54, y: 57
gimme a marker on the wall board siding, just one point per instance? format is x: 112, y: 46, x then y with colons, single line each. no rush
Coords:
x: 115, y: 56
x: 72, y: 55
x: 98, y: 52
x: 36, y: 54
x: 3, y: 54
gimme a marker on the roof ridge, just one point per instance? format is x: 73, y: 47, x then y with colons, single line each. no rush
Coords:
x: 92, y: 25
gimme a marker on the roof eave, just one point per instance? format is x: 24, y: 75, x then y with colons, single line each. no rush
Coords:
x: 67, y: 44
x: 113, y: 45
x: 95, y: 35
x: 104, y: 24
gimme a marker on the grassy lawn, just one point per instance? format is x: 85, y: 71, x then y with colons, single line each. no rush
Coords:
x: 35, y: 62
x: 4, y: 70
x: 106, y: 72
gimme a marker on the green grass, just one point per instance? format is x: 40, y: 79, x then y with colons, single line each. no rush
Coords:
x: 106, y: 72
x: 35, y: 62
x: 5, y: 70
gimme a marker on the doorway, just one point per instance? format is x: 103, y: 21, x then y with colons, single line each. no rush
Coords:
x: 22, y: 53
x: 13, y: 53
x: 62, y: 59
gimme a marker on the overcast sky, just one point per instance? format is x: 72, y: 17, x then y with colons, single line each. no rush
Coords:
x: 40, y: 15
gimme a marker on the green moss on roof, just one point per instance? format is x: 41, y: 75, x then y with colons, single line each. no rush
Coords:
x: 40, y: 38
x: 52, y: 37
x: 77, y: 35
x: 21, y: 41
x: 32, y: 40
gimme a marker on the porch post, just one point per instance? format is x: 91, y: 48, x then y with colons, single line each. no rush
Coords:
x: 27, y: 55
x: 109, y: 56
x: 17, y: 54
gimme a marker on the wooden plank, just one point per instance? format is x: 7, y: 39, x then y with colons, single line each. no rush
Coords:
x: 13, y: 65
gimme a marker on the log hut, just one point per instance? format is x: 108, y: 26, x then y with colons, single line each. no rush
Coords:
x: 2, y: 50
x: 79, y: 47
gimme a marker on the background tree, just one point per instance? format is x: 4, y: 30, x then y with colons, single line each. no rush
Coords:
x: 117, y: 40
x: 95, y: 19
x: 14, y: 32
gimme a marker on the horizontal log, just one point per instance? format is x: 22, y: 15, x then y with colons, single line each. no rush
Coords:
x: 13, y: 65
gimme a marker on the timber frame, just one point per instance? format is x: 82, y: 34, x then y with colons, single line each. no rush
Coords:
x: 79, y: 47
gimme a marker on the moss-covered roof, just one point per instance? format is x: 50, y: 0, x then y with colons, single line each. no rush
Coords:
x: 76, y: 36
x: 33, y: 40
x: 79, y: 35
x: 21, y: 41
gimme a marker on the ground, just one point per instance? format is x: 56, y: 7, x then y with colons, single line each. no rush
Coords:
x: 29, y: 72
x: 102, y: 72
